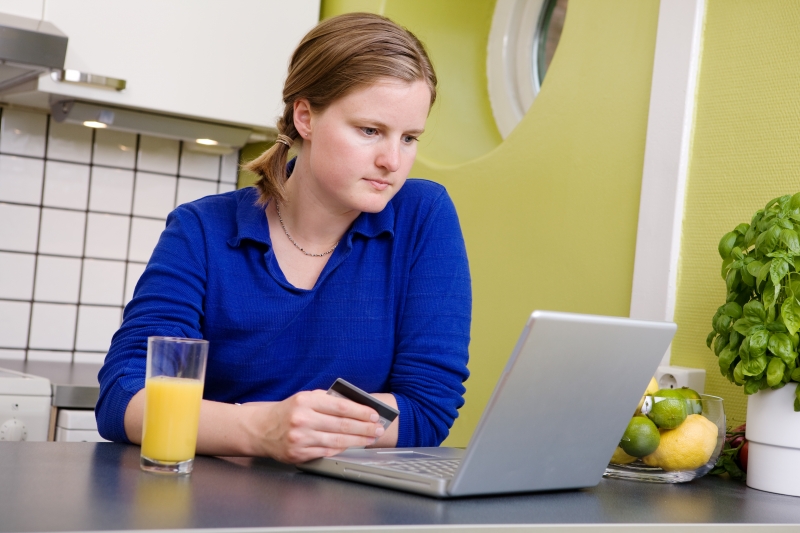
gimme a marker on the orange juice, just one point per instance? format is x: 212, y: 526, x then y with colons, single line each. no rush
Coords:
x: 171, y: 416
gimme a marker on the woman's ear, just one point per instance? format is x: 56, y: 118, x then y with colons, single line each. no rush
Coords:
x: 302, y: 117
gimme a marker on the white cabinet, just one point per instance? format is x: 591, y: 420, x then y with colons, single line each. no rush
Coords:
x: 221, y: 61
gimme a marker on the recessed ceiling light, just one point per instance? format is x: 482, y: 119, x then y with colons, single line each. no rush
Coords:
x: 94, y: 124
x: 207, y: 142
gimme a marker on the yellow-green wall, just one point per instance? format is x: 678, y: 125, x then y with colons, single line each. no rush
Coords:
x: 745, y: 151
x: 550, y: 214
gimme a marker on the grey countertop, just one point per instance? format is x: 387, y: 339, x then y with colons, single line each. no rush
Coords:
x: 87, y: 486
x: 74, y: 385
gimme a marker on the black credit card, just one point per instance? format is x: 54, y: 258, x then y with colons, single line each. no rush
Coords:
x: 343, y: 389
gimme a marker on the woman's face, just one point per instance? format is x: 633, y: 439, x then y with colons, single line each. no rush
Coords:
x: 359, y: 150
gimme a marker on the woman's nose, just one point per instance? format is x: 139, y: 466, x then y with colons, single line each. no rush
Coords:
x: 389, y: 157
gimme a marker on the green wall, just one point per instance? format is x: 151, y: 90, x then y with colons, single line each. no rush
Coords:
x: 745, y: 151
x: 550, y: 214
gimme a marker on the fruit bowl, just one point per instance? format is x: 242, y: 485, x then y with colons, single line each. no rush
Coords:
x: 685, y: 447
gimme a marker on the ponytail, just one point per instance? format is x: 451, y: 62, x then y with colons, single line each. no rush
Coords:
x: 271, y: 165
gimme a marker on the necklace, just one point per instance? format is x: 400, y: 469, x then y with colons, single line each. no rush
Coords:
x: 278, y: 210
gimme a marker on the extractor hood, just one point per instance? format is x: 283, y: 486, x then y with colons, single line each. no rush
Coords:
x: 28, y: 48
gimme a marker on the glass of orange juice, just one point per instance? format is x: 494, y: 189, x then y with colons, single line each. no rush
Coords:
x: 173, y: 390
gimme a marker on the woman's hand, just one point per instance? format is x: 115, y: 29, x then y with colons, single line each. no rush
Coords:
x: 309, y: 425
x: 305, y: 426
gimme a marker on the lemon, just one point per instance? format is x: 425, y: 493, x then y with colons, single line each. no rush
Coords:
x: 686, y: 447
x: 640, y: 438
x: 669, y: 409
x: 651, y: 389
x: 621, y: 458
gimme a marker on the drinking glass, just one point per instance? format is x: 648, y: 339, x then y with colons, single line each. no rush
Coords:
x: 176, y: 368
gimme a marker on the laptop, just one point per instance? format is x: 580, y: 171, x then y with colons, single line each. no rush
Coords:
x: 554, y: 419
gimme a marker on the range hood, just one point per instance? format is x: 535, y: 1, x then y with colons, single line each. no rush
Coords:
x: 28, y: 48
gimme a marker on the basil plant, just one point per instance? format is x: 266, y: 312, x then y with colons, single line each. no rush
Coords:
x: 755, y: 332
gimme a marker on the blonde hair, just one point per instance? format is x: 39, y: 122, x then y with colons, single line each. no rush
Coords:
x: 339, y: 55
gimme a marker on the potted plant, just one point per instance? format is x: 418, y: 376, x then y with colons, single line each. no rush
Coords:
x: 755, y: 338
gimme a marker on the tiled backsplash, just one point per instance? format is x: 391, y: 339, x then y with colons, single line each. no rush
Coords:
x: 80, y: 212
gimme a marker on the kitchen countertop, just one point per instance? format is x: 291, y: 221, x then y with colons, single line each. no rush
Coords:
x: 74, y: 385
x: 87, y: 486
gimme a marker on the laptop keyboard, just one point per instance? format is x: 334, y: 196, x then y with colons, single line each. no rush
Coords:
x: 441, y: 468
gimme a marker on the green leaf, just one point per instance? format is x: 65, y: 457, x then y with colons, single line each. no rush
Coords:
x: 775, y: 368
x: 722, y: 342
x: 753, y: 267
x: 776, y: 326
x: 732, y: 309
x: 790, y: 239
x: 726, y: 358
x: 769, y: 239
x: 758, y: 343
x: 744, y: 350
x: 797, y: 398
x: 763, y: 273
x: 746, y: 326
x: 738, y: 374
x: 726, y: 244
x: 790, y: 313
x: 723, y: 324
x: 734, y: 340
x: 781, y: 345
x: 787, y: 374
x: 755, y: 310
x: 733, y: 279
x: 796, y: 374
x: 755, y: 366
x: 742, y: 228
x: 770, y: 295
x: 777, y: 271
x: 710, y: 338
x: 785, y: 224
x: 750, y: 236
x: 751, y: 386
x: 747, y: 279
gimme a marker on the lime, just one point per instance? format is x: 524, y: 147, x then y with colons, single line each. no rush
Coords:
x: 640, y: 438
x: 693, y: 403
x: 687, y: 447
x: 669, y: 409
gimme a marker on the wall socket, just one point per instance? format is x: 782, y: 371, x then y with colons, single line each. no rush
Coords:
x: 675, y: 377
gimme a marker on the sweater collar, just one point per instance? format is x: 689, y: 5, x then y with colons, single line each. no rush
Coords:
x: 251, y: 221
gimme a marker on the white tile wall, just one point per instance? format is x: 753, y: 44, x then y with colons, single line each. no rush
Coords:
x: 144, y: 237
x: 16, y: 281
x: 103, y: 282
x: 21, y: 179
x: 190, y: 189
x: 14, y: 323
x: 115, y: 148
x: 19, y: 227
x: 22, y: 132
x: 96, y: 326
x: 69, y: 142
x: 135, y: 271
x: 62, y: 232
x: 107, y: 236
x: 66, y: 185
x: 112, y: 190
x: 158, y: 155
x: 199, y: 165
x: 53, y: 326
x: 80, y: 213
x: 57, y: 279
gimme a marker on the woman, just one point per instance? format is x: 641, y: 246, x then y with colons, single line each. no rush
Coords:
x: 333, y: 266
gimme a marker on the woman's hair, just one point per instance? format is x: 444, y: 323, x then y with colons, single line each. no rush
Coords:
x: 339, y: 55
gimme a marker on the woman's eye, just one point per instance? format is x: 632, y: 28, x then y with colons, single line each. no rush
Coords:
x: 369, y: 131
x: 408, y: 139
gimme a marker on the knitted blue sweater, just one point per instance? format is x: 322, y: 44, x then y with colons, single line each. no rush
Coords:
x: 390, y: 312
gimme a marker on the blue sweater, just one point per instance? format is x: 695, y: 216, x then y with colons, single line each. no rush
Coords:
x: 390, y: 311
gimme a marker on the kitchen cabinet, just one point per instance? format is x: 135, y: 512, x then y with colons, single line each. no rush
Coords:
x: 208, y: 59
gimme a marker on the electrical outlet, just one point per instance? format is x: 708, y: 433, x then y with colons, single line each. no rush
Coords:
x: 675, y: 377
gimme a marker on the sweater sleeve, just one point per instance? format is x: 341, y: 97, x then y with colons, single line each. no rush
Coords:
x: 167, y: 301
x: 433, y: 335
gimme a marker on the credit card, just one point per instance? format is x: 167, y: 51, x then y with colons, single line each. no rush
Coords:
x: 343, y: 389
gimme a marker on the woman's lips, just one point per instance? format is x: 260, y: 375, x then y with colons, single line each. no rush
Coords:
x: 378, y: 185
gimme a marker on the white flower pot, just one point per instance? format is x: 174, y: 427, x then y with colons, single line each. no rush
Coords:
x: 773, y: 430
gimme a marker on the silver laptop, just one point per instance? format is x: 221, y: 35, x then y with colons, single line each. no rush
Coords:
x: 553, y: 421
